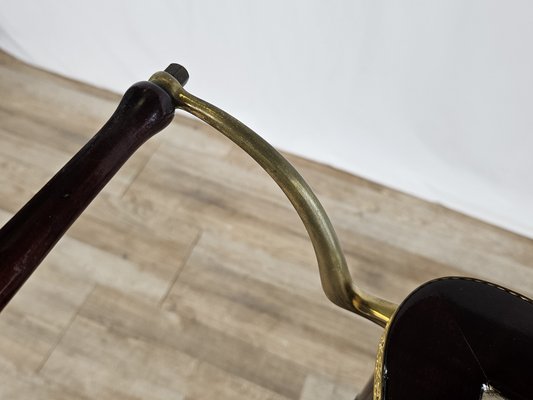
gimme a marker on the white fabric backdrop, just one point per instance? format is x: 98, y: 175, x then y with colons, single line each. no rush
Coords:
x: 430, y: 97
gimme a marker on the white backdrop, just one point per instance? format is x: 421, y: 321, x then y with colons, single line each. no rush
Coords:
x: 431, y: 97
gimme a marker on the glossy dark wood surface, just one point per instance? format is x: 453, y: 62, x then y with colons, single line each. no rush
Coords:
x: 25, y: 240
x: 452, y: 335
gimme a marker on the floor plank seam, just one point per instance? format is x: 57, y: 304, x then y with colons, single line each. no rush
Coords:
x: 181, y: 268
x: 65, y: 330
x: 139, y: 172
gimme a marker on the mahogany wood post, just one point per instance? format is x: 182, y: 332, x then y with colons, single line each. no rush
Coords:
x: 27, y: 238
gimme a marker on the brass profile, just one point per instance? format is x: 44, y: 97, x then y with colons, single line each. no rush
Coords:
x: 335, y: 277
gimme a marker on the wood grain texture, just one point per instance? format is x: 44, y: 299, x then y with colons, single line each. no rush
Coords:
x: 190, y: 276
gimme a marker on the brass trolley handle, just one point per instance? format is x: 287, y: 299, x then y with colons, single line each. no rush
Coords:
x: 334, y: 274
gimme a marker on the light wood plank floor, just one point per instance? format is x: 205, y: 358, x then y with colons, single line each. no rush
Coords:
x: 190, y: 276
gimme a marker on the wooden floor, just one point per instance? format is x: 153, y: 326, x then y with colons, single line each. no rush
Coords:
x: 190, y: 276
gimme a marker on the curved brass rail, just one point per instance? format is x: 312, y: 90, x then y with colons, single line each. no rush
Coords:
x: 334, y: 274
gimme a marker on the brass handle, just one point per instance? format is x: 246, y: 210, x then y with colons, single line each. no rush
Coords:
x: 334, y: 274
